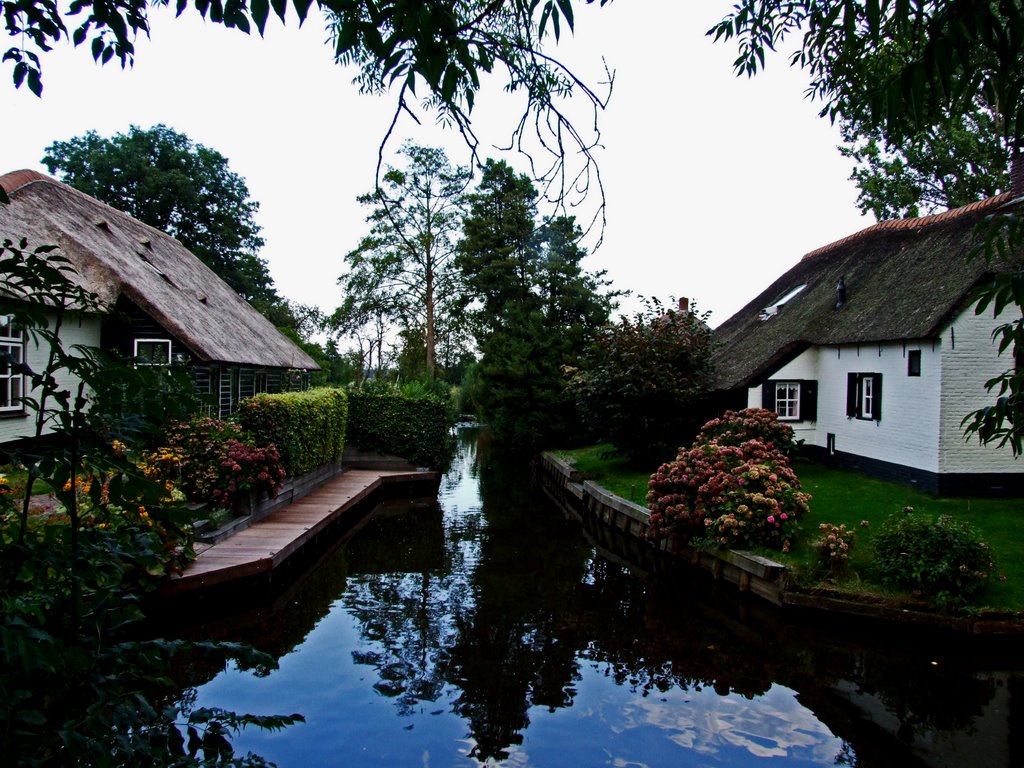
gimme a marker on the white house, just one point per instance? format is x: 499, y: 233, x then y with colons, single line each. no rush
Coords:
x: 164, y: 305
x: 870, y: 348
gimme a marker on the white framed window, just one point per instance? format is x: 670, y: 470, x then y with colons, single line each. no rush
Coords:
x: 787, y: 400
x: 152, y: 352
x: 864, y: 396
x: 12, y: 353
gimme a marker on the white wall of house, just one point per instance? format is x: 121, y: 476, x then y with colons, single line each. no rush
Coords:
x: 77, y: 330
x: 921, y: 415
x: 908, y: 431
x: 970, y: 358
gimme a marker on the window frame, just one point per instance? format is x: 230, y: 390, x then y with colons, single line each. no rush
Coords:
x: 914, y: 363
x: 12, y: 341
x: 806, y: 400
x: 864, y: 396
x: 792, y: 403
x: 138, y: 358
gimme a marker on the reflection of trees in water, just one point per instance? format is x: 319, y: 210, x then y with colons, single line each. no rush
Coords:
x: 497, y: 609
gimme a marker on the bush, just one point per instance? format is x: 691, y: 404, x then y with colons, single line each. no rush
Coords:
x: 643, y: 379
x: 834, y: 547
x: 737, y: 427
x: 730, y: 493
x: 418, y: 429
x: 214, y: 461
x: 941, y: 559
x: 308, y: 427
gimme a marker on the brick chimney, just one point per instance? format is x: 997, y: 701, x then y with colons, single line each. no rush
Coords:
x: 684, y: 304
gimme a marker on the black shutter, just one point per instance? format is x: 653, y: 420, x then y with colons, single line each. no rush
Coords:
x: 877, y: 393
x: 808, y: 401
x: 768, y: 395
x: 852, y: 400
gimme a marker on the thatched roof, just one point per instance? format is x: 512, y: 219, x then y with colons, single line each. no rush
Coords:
x: 116, y: 255
x: 904, y: 279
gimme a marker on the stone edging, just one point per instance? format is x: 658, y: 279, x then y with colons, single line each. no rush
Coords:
x: 748, y: 572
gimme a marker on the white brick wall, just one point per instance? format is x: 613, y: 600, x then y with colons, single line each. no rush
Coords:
x: 85, y: 331
x: 970, y: 358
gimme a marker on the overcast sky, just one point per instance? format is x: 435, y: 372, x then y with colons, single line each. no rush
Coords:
x: 715, y: 184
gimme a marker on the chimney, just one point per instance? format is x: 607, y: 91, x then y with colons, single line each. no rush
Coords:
x: 841, y: 293
x: 1016, y: 171
x: 684, y: 304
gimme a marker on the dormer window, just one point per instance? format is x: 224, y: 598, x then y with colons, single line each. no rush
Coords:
x: 772, y: 310
x: 153, y: 351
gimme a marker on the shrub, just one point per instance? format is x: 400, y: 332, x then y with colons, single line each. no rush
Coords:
x: 737, y: 427
x: 382, y: 419
x: 941, y: 559
x: 834, y: 547
x: 308, y: 427
x: 214, y: 461
x: 732, y: 495
x: 733, y: 488
x: 642, y: 380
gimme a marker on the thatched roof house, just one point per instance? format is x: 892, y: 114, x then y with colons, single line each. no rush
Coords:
x: 172, y: 298
x: 892, y: 300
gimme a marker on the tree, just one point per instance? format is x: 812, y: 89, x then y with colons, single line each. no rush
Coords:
x: 408, y: 258
x: 946, y: 167
x: 641, y: 383
x: 535, y: 307
x: 186, y: 190
x: 438, y: 51
x: 906, y: 69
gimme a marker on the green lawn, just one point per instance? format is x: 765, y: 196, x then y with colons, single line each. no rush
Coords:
x: 849, y: 498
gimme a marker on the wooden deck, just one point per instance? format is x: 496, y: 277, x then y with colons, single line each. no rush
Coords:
x: 256, y: 551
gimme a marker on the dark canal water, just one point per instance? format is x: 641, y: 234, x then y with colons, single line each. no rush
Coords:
x: 487, y: 629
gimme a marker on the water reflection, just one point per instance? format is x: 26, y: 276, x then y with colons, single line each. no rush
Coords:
x: 487, y: 629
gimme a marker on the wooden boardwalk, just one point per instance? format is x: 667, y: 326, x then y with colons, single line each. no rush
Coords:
x: 257, y: 550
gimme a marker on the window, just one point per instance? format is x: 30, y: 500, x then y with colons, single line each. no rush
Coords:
x: 792, y: 400
x: 787, y: 399
x: 864, y: 396
x: 152, y: 351
x: 12, y: 354
x: 914, y: 362
x: 772, y: 310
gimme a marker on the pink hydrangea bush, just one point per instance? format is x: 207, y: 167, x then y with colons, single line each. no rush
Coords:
x: 737, y: 427
x: 731, y: 495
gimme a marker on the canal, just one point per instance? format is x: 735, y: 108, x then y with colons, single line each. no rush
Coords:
x: 487, y: 629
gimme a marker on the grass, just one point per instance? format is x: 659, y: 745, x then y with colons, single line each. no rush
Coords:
x: 847, y: 498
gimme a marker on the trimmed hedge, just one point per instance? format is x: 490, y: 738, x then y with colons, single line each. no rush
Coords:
x: 417, y: 429
x: 308, y: 427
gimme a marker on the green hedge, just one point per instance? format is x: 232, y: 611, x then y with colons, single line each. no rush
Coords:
x: 308, y: 427
x: 417, y: 429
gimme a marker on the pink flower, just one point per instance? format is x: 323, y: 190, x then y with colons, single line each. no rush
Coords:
x: 784, y: 516
x: 771, y: 518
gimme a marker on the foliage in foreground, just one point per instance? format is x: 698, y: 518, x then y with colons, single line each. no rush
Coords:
x: 729, y: 491
x: 77, y: 684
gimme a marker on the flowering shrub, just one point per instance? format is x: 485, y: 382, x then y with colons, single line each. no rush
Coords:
x: 834, y: 546
x: 215, y: 462
x: 733, y: 495
x: 738, y: 427
x: 941, y: 558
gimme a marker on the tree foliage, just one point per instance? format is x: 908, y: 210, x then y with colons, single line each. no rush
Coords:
x: 945, y: 167
x: 187, y: 190
x: 406, y: 262
x: 439, y: 52
x: 535, y: 309
x: 642, y: 381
